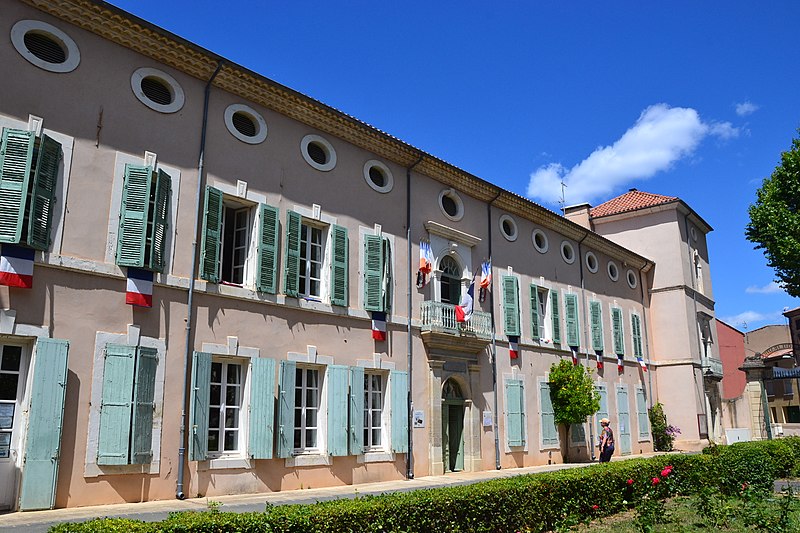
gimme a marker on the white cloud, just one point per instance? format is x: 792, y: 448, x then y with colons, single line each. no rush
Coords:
x: 746, y: 108
x: 769, y: 288
x: 661, y: 136
x: 749, y: 319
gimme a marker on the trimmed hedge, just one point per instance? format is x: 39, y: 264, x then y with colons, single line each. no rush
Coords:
x: 534, y: 502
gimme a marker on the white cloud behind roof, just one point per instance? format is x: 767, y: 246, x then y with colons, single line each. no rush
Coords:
x: 661, y: 136
x: 746, y: 108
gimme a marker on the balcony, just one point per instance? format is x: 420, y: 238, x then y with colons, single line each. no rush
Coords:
x: 712, y: 368
x: 441, y: 331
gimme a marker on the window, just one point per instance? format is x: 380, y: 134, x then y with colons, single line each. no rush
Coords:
x: 10, y: 389
x: 596, y: 318
x: 451, y: 204
x: 143, y: 220
x: 45, y: 46
x: 318, y: 152
x: 616, y: 323
x: 373, y: 411
x: 126, y: 412
x: 515, y: 412
x: 245, y: 123
x: 29, y: 170
x: 511, y: 324
x: 306, y: 409
x: 571, y: 311
x: 555, y: 313
x: 539, y: 241
x: 450, y: 280
x: 229, y: 253
x: 378, y: 176
x: 545, y: 325
x: 508, y: 228
x: 641, y: 413
x: 567, y: 252
x: 632, y: 281
x: 377, y: 273
x: 792, y: 413
x: 225, y: 428
x: 591, y: 262
x: 316, y: 260
x: 636, y: 333
x: 548, y: 417
x: 157, y: 90
x: 613, y: 271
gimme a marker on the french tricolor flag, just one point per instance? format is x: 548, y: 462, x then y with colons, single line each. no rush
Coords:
x: 599, y: 361
x: 16, y: 266
x: 620, y: 364
x: 642, y: 364
x: 574, y: 356
x: 379, y: 326
x: 140, y: 287
x: 513, y: 346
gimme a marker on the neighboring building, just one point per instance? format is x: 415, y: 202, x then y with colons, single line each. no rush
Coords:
x: 293, y: 340
x: 732, y: 354
x: 741, y: 401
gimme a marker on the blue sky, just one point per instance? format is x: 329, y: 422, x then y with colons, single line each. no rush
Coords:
x: 672, y: 99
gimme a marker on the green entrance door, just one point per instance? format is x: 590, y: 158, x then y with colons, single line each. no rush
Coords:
x: 452, y: 427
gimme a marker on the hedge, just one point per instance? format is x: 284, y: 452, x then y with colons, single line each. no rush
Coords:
x: 532, y: 502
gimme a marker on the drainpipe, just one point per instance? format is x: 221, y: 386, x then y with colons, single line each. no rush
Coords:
x: 494, y: 340
x: 585, y: 333
x: 410, y: 363
x: 189, y: 315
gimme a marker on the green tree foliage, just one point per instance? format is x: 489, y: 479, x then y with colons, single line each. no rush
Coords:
x: 572, y: 393
x: 775, y: 220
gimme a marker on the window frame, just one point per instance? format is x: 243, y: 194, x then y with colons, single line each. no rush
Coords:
x: 243, y: 408
x: 368, y: 445
x: 303, y: 428
x: 70, y: 48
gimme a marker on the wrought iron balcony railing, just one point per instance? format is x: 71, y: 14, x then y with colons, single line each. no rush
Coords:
x: 712, y: 367
x: 439, y: 317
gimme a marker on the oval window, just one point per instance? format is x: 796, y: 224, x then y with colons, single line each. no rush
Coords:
x: 45, y: 46
x: 451, y: 204
x: 378, y: 176
x: 540, y: 241
x: 632, y: 279
x: 508, y: 228
x: 591, y: 262
x: 318, y: 152
x: 567, y: 252
x: 245, y: 123
x: 157, y: 90
x: 613, y: 271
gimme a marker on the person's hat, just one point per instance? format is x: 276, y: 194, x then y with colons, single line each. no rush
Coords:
x: 604, y: 420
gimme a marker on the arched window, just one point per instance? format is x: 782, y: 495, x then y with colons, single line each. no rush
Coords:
x: 450, y: 281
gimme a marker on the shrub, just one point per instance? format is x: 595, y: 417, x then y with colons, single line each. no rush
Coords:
x: 663, y: 433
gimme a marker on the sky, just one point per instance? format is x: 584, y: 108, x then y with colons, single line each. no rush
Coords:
x: 668, y: 97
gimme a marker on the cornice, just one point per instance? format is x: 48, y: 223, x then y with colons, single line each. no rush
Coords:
x: 127, y: 30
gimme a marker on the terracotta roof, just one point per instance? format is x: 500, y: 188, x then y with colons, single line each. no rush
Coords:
x: 630, y: 201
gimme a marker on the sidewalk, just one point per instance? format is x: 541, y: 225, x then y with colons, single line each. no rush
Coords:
x: 40, y: 521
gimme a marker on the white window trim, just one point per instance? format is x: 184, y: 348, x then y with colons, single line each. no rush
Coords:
x: 631, y: 275
x: 319, y: 457
x: 178, y: 96
x: 458, y: 201
x: 589, y: 256
x: 386, y: 172
x: 362, y: 231
x: 73, y: 54
x: 547, y: 340
x: 378, y: 365
x: 62, y: 183
x: 17, y: 445
x: 612, y: 265
x: 511, y: 237
x: 546, y: 246
x: 132, y: 338
x: 567, y: 245
x: 386, y: 441
x: 255, y: 116
x: 117, y: 185
x: 308, y: 139
x: 241, y: 454
x: 315, y: 216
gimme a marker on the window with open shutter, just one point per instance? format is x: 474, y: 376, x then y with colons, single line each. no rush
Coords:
x: 199, y: 406
x: 356, y: 429
x: 535, y: 319
x: 285, y: 424
x: 571, y: 308
x: 42, y: 197
x: 267, y: 279
x: 556, y: 315
x: 515, y: 412
x: 292, y: 267
x: 602, y: 391
x: 337, y: 376
x: 116, y: 407
x: 549, y: 429
x: 641, y: 413
x: 262, y: 408
x: 144, y: 390
x: 133, y: 216
x: 373, y: 273
x: 636, y: 332
x: 398, y: 383
x: 387, y: 275
x: 16, y: 160
x: 339, y: 265
x: 159, y: 224
x: 211, y: 236
x: 596, y: 314
x: 619, y: 340
x: 510, y: 305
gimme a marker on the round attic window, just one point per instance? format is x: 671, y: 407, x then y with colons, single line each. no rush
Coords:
x: 318, y: 152
x: 508, y: 228
x: 45, y: 46
x: 451, y: 204
x: 157, y: 90
x: 378, y: 176
x: 613, y: 271
x: 567, y: 252
x: 591, y: 262
x: 540, y: 241
x: 245, y: 123
x: 632, y: 279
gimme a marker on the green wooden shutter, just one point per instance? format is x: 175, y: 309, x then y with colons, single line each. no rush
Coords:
x: 45, y: 420
x: 571, y: 308
x: 549, y: 429
x: 556, y: 314
x: 337, y: 409
x: 623, y: 439
x: 356, y: 410
x: 199, y: 406
x: 267, y: 278
x: 144, y: 392
x: 16, y: 158
x: 398, y: 382
x: 602, y: 390
x: 285, y: 440
x: 387, y: 275
x: 641, y: 413
x: 339, y: 266
x: 596, y: 314
x: 534, y: 293
x: 132, y: 234
x: 515, y: 416
x: 510, y: 305
x: 636, y: 331
x: 43, y: 193
x: 160, y: 222
x: 291, y: 267
x: 619, y: 342
x: 114, y: 437
x: 211, y: 245
x: 373, y: 273
x: 262, y: 408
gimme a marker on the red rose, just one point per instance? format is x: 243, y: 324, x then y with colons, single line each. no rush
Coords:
x: 630, y: 482
x: 656, y: 481
x: 595, y: 507
x: 666, y: 472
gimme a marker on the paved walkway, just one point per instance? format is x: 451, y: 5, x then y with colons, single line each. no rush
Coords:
x: 41, y: 521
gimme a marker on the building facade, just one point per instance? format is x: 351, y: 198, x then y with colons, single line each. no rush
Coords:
x: 217, y: 285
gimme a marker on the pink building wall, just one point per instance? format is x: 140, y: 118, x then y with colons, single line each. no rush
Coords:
x: 731, y: 352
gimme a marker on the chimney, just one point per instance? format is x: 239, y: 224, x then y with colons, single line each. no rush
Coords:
x: 579, y: 214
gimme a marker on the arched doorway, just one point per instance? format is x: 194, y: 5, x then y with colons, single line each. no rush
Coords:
x: 450, y: 280
x: 452, y: 426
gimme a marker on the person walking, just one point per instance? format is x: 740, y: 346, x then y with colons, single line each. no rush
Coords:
x: 606, y: 441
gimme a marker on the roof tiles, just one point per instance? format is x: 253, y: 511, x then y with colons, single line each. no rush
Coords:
x: 630, y: 201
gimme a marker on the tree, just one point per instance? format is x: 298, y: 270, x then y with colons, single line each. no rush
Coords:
x: 573, y: 396
x: 775, y: 220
